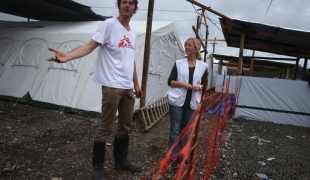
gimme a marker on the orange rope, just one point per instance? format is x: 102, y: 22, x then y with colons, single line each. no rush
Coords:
x: 204, y: 145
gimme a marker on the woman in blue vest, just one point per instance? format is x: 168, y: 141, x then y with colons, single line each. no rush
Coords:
x: 185, y: 81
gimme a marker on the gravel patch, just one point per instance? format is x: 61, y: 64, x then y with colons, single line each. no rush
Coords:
x: 40, y: 143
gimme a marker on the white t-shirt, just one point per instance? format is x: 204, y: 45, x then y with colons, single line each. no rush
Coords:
x: 115, y: 59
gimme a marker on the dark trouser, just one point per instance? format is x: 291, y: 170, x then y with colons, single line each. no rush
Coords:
x: 113, y: 100
x: 179, y: 118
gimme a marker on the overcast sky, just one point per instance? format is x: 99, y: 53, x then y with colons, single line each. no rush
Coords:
x: 293, y: 14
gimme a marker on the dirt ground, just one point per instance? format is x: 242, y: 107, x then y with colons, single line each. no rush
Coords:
x: 39, y: 143
x: 254, y: 148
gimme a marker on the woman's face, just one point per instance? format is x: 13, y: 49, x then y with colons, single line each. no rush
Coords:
x: 190, y: 48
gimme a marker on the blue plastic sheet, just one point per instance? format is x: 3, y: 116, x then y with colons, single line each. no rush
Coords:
x: 228, y: 104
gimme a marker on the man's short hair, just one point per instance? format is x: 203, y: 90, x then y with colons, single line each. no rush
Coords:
x: 134, y: 1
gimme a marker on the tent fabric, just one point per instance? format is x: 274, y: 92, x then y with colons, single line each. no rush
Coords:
x: 24, y: 68
x: 267, y: 99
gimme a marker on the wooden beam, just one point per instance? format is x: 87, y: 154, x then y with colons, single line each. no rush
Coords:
x: 249, y: 66
x: 271, y: 58
x: 235, y: 65
x: 208, y: 9
x: 215, y: 40
x: 255, y: 57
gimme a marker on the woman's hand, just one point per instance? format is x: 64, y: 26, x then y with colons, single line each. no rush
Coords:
x: 188, y: 86
x: 197, y: 87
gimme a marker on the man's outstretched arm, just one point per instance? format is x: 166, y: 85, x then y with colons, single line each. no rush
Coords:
x: 80, y: 51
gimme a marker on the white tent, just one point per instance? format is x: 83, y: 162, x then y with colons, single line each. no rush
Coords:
x: 268, y: 99
x: 24, y: 69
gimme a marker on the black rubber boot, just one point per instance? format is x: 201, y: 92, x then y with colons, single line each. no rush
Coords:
x: 98, y: 160
x: 120, y: 156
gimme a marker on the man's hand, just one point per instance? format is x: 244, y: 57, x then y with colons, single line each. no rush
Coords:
x: 138, y: 92
x: 59, y: 56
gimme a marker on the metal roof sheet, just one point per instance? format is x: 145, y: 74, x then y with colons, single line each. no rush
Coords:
x: 49, y: 10
x: 266, y: 38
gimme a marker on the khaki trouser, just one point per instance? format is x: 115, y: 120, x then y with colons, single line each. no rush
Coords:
x: 114, y: 99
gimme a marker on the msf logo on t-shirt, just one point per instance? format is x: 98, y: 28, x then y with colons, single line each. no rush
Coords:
x: 125, y: 43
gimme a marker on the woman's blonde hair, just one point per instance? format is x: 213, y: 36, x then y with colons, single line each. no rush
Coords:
x: 197, y: 46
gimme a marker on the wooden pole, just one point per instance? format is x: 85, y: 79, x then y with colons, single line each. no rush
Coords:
x: 252, y: 64
x: 287, y: 72
x: 206, y: 52
x: 305, y: 69
x: 197, y: 26
x: 219, y: 67
x: 206, y: 42
x: 213, y: 50
x: 240, y: 64
x: 198, y: 37
x: 201, y: 111
x: 147, y: 48
x: 296, y: 68
x: 205, y: 84
x: 211, y: 70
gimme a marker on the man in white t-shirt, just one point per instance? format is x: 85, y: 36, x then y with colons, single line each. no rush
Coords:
x: 116, y: 72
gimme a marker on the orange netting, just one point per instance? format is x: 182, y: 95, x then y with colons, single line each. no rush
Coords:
x: 205, y: 138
